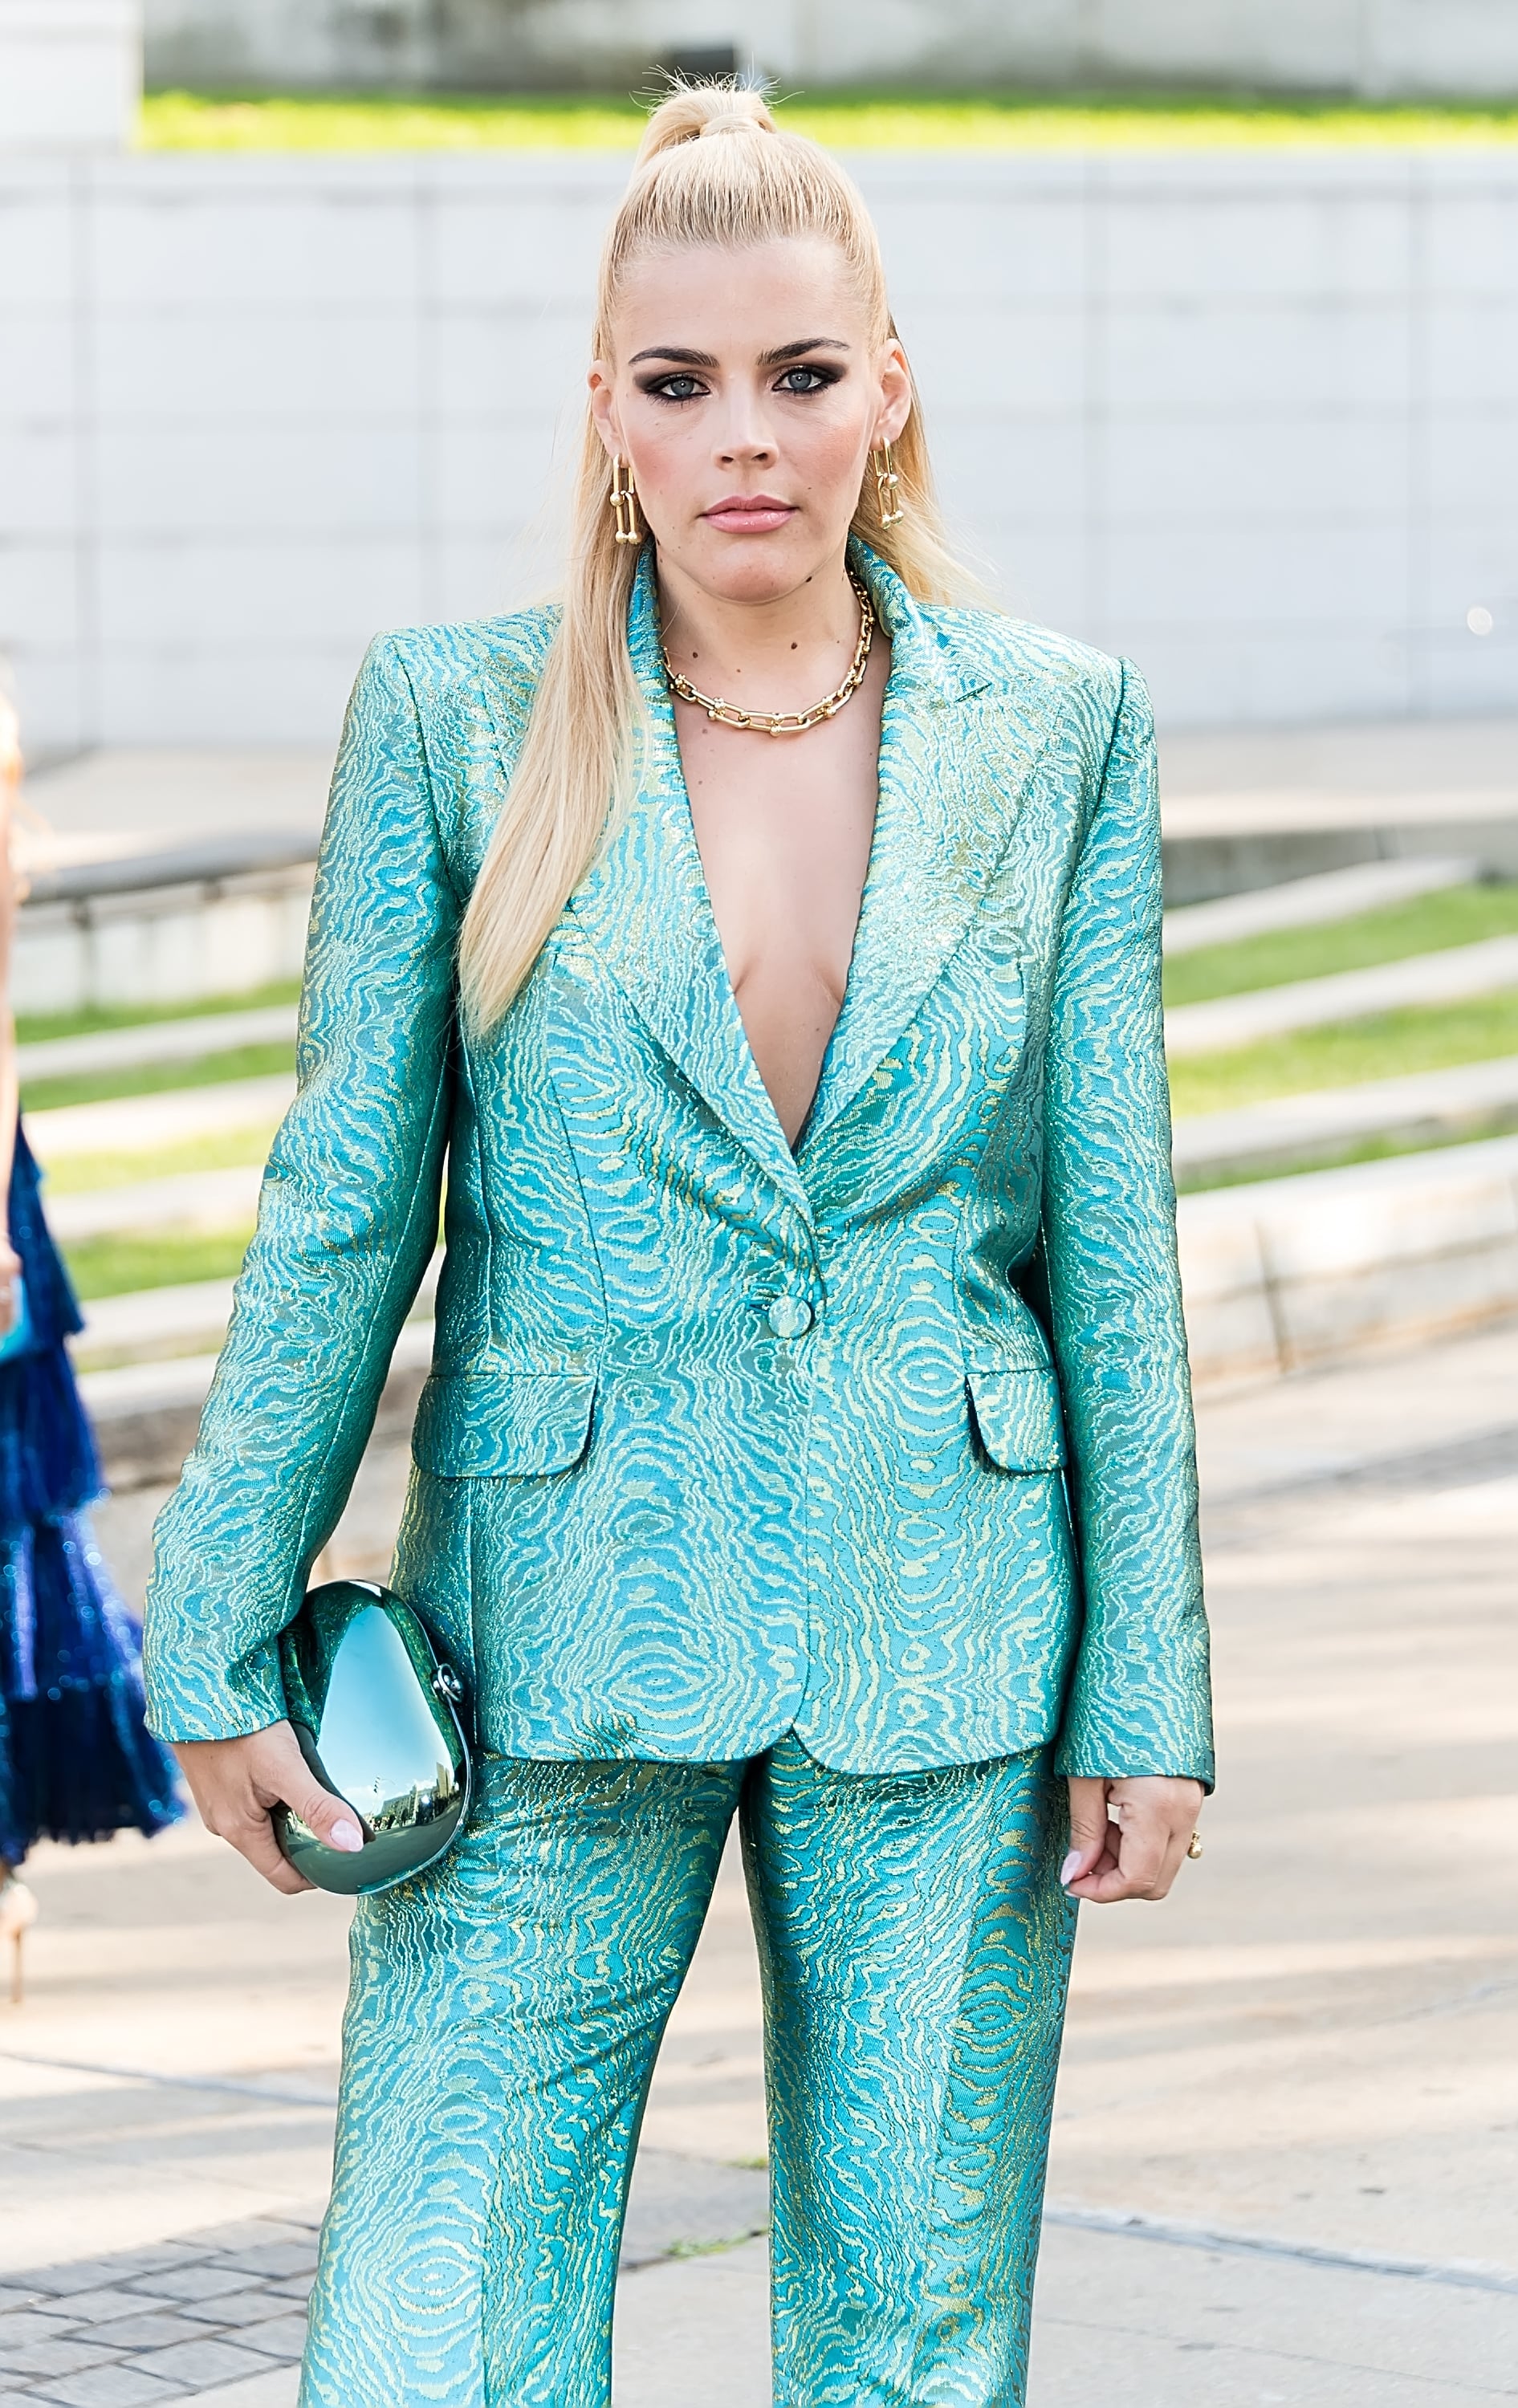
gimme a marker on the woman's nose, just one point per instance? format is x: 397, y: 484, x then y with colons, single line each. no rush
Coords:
x: 745, y: 437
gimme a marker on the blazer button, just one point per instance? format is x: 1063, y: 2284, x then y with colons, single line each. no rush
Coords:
x: 790, y: 1316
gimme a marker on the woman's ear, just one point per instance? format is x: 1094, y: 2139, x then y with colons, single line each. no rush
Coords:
x: 896, y: 394
x: 603, y: 408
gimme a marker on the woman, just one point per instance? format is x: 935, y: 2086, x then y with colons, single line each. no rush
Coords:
x: 76, y: 1759
x: 773, y: 1245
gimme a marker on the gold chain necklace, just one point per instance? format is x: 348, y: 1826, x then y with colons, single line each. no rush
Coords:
x: 786, y: 722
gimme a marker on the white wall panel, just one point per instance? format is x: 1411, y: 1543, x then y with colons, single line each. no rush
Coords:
x: 334, y: 365
x: 35, y: 236
x: 252, y: 244
x: 1007, y: 363
x: 39, y: 593
x: 1281, y: 355
x: 195, y: 596
x: 272, y: 692
x: 1238, y: 465
x: 1247, y: 418
x: 1471, y: 241
x: 39, y: 364
x: 1472, y: 351
x: 37, y: 463
x: 1470, y: 460
x: 531, y: 358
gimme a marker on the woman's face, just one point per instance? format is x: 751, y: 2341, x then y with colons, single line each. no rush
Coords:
x: 747, y: 394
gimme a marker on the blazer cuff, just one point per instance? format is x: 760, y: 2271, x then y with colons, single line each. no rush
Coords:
x: 244, y: 1698
x: 1090, y: 1758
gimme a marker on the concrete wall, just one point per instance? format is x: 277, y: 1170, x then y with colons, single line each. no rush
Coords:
x: 1247, y: 417
x: 1373, y: 47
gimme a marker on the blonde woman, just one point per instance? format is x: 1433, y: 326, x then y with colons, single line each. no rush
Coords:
x: 769, y: 945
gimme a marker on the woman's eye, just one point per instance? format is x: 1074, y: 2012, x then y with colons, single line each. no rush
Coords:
x: 804, y: 381
x: 680, y: 388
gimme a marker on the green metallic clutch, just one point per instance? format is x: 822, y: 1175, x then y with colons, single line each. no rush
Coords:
x: 374, y: 1710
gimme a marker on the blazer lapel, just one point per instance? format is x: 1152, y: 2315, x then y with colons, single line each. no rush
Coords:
x: 943, y: 823
x: 646, y: 906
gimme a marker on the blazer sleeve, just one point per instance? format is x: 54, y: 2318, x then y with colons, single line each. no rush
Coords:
x: 1140, y: 1700
x: 347, y: 1224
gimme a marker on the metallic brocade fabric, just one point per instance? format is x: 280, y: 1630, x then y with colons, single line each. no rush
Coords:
x: 722, y: 1442
x: 501, y: 2031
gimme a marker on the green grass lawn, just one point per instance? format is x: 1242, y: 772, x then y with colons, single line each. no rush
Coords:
x: 34, y: 1029
x: 119, y: 1266
x: 1461, y: 915
x: 157, y: 1078
x: 859, y: 120
x: 1390, y: 1045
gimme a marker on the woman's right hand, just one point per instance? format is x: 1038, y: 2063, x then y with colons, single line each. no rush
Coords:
x: 236, y: 1782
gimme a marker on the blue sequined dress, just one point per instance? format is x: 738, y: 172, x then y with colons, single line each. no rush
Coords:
x: 76, y: 1761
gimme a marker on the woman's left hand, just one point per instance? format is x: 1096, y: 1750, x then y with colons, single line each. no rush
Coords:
x: 10, y: 1272
x: 1129, y: 1838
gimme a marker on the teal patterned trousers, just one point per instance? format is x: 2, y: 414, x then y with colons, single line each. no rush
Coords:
x: 502, y: 2028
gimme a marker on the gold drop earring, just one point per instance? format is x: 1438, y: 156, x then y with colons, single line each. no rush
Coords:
x: 886, y: 483
x: 623, y: 499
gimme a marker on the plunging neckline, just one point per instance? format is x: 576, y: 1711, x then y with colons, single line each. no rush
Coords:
x: 671, y: 730
x: 940, y: 825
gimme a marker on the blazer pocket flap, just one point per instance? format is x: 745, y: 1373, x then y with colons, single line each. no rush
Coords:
x: 1018, y: 1418
x: 502, y: 1425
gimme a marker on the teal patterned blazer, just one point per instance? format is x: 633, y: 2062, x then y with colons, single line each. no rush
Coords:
x: 886, y: 1442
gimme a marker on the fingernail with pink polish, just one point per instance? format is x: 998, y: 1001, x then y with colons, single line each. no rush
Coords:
x: 347, y: 1835
x: 1070, y: 1867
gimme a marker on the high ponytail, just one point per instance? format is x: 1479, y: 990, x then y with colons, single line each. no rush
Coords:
x: 712, y: 170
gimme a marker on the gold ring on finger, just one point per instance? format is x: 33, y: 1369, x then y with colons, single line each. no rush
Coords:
x: 1194, y: 1849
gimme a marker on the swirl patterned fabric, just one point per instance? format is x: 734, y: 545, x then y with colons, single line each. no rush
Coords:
x: 723, y: 1441
x: 501, y: 2033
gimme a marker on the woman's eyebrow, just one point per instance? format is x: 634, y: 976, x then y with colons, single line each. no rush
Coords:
x: 793, y: 350
x: 670, y: 352
x: 686, y: 359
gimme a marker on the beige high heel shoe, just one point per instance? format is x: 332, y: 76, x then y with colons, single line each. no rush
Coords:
x: 18, y: 1913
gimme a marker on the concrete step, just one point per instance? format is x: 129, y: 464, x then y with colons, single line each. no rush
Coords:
x: 1232, y: 1021
x: 155, y: 1325
x: 1285, y: 1133
x: 1306, y: 902
x: 138, y: 1123
x: 162, y: 1040
x: 145, y: 1414
x: 1286, y: 1272
x: 195, y: 1199
x: 147, y: 1324
x: 1292, y: 1132
x: 1278, y: 1274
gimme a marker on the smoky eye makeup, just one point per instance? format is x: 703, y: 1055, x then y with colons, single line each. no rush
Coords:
x: 805, y: 377
x: 799, y: 378
x: 677, y: 384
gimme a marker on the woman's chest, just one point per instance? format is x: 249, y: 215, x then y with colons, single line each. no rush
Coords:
x: 783, y: 826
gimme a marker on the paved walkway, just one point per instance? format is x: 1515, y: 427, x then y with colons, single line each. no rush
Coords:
x: 1300, y: 2075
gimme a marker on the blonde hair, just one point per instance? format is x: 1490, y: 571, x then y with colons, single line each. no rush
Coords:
x: 754, y: 183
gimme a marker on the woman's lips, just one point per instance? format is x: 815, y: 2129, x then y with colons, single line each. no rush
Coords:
x: 748, y: 515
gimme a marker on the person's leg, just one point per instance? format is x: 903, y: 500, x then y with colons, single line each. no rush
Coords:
x: 915, y: 1944
x: 502, y: 2025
